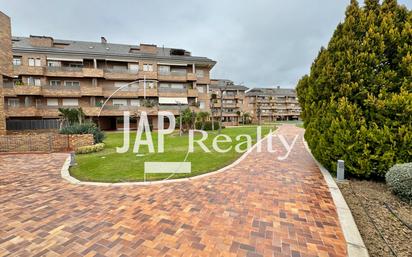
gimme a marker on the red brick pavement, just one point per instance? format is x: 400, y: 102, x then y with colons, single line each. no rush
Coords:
x: 261, y: 207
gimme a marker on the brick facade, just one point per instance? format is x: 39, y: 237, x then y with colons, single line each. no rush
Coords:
x: 5, y: 63
x: 43, y: 142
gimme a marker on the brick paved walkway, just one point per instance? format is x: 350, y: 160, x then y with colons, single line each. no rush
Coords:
x: 262, y: 207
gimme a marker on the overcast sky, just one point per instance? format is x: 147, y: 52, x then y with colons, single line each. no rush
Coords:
x: 260, y: 43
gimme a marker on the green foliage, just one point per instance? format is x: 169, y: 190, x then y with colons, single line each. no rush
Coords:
x: 207, y: 125
x: 70, y: 116
x: 188, y: 119
x: 202, y: 117
x: 357, y: 99
x: 90, y: 148
x: 85, y: 128
x: 399, y: 180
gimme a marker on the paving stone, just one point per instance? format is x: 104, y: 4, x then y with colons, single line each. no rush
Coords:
x: 260, y: 207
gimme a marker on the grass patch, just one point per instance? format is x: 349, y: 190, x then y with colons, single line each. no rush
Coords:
x: 109, y: 166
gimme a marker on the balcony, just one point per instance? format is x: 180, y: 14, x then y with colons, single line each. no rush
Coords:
x: 149, y: 92
x: 28, y: 70
x: 172, y: 76
x: 91, y: 110
x: 91, y: 91
x: 120, y: 74
x: 192, y: 93
x: 115, y: 110
x: 203, y: 80
x: 191, y: 77
x: 147, y: 75
x: 20, y: 111
x: 48, y: 111
x: 126, y: 92
x: 172, y: 92
x: 63, y: 71
x: 61, y: 91
x: 93, y: 73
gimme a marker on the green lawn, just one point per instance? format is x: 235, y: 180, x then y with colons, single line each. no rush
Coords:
x: 110, y: 166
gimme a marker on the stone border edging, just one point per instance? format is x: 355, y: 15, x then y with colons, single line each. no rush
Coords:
x: 354, y: 242
x: 65, y: 174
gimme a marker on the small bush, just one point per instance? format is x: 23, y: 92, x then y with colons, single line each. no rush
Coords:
x: 90, y: 148
x: 207, y: 125
x: 85, y: 128
x: 399, y: 180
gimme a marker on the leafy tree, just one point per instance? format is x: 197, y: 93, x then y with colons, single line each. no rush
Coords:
x: 357, y: 99
x: 70, y: 116
x: 202, y: 117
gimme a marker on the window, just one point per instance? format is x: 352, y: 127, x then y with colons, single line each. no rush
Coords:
x: 55, y: 83
x: 34, y: 62
x: 177, y: 86
x: 17, y: 61
x: 135, y: 102
x: 13, y: 102
x: 119, y: 102
x: 200, y: 73
x: 147, y: 67
x: 52, y: 102
x: 164, y: 70
x: 70, y: 102
x: 31, y: 81
x: 72, y: 83
x: 134, y: 67
x: 54, y: 63
x: 202, y: 105
x: 76, y: 65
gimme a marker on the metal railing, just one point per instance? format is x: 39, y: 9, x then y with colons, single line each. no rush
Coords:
x: 120, y: 70
x: 72, y: 88
x: 172, y: 90
x: 64, y: 68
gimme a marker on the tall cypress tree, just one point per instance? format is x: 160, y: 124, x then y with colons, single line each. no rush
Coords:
x: 357, y: 99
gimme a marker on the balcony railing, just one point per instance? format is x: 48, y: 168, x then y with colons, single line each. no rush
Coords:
x: 71, y: 88
x: 120, y: 70
x: 172, y: 90
x: 172, y: 73
x: 64, y: 68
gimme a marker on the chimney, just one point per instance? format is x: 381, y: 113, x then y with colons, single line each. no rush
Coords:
x: 103, y: 40
x: 41, y: 41
x: 148, y: 48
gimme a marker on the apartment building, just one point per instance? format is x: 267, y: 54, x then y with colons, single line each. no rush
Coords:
x: 227, y: 99
x: 102, y: 78
x: 5, y: 63
x: 272, y: 104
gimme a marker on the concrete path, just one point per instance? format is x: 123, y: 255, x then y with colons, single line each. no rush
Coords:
x: 261, y: 207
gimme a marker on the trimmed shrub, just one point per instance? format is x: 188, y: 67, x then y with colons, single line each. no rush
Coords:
x: 207, y: 125
x: 357, y: 100
x: 85, y: 128
x: 90, y: 148
x: 399, y: 180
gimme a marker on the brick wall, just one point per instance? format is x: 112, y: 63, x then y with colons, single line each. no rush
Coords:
x: 2, y: 112
x: 5, y: 46
x: 46, y: 142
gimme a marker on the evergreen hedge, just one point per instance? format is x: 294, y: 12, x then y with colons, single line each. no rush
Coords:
x: 357, y: 99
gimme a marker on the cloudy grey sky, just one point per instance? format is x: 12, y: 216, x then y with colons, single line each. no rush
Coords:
x: 258, y: 43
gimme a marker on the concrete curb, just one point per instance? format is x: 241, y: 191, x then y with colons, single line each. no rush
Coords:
x: 354, y: 242
x: 65, y: 174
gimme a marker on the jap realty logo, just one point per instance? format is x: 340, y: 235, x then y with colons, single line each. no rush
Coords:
x: 144, y: 138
